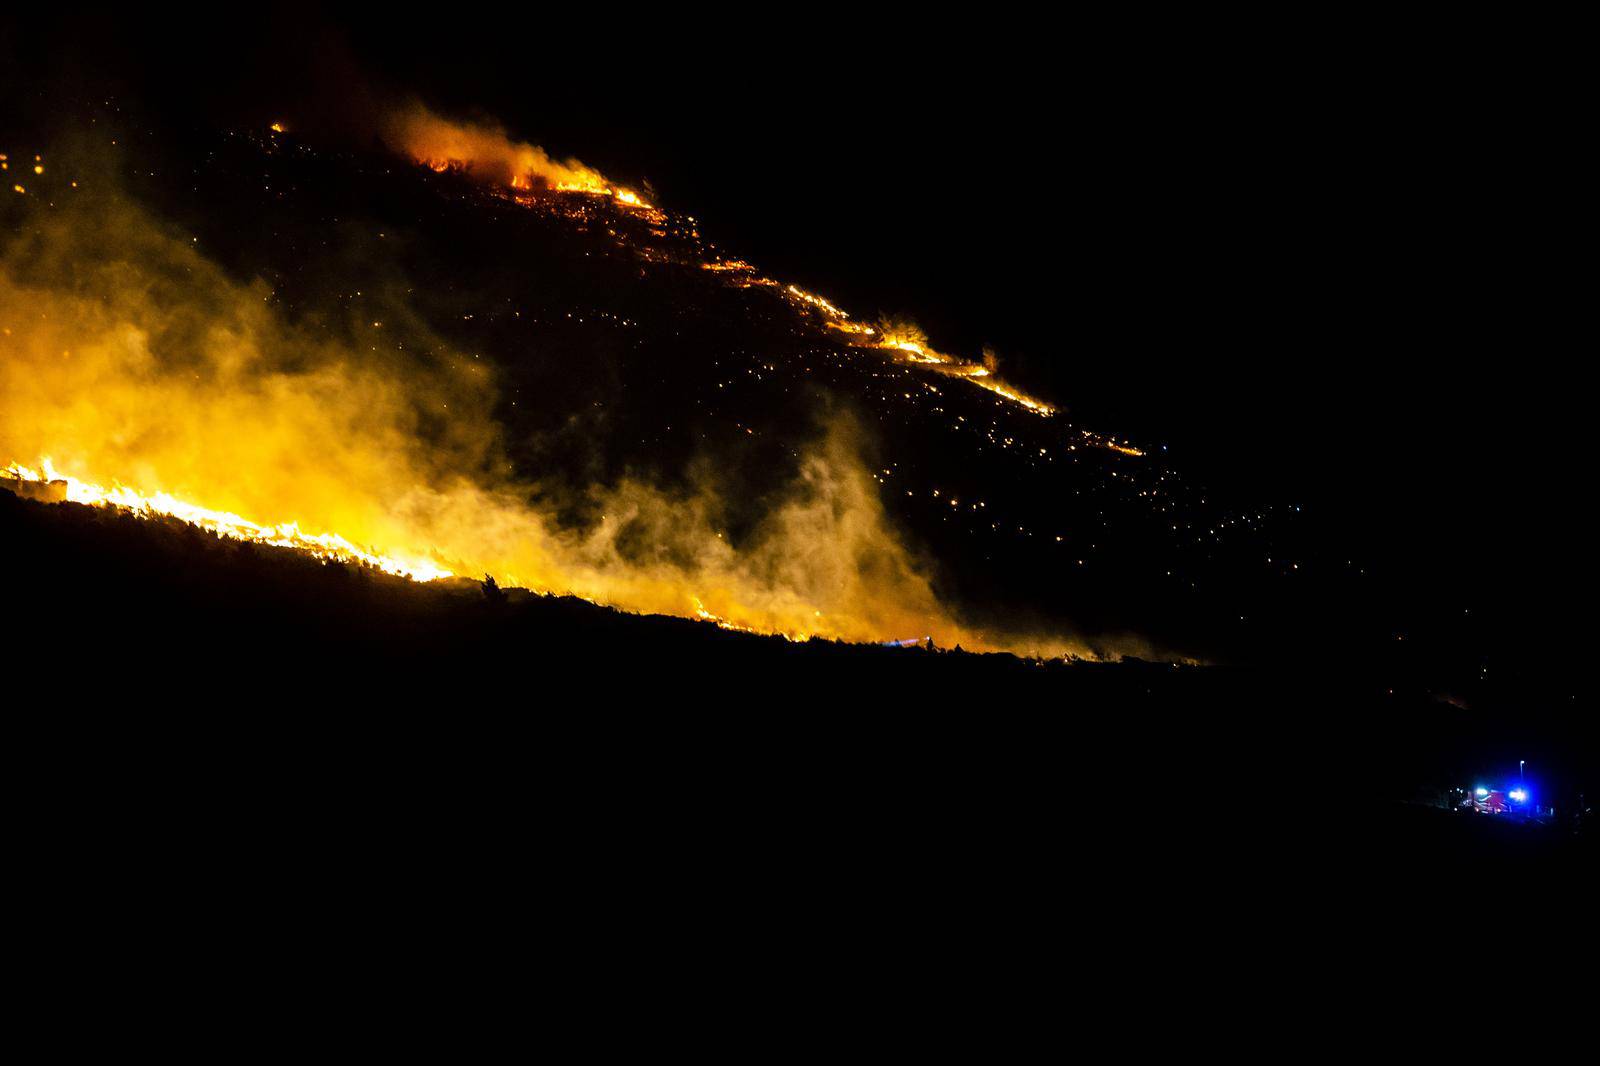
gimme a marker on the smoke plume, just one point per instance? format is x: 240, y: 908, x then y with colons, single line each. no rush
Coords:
x: 129, y: 357
x: 484, y: 150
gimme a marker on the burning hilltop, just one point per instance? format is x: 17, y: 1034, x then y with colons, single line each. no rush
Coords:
x: 498, y: 363
x: 487, y: 153
x: 527, y: 174
x: 140, y: 374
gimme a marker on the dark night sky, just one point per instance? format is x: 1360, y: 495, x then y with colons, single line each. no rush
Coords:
x: 1331, y: 264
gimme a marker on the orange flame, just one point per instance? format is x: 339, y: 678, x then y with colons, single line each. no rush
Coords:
x: 166, y: 387
x: 487, y: 152
x: 223, y: 523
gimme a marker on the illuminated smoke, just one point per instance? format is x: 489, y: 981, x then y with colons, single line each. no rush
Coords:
x: 134, y: 363
x: 485, y: 151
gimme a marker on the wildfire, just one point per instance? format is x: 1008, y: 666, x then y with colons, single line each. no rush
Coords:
x: 1038, y: 407
x: 627, y: 197
x: 486, y: 152
x: 913, y: 345
x: 700, y: 612
x: 250, y: 413
x: 816, y: 301
x: 223, y: 523
x: 901, y: 339
x: 728, y: 266
x: 904, y: 341
x: 61, y: 487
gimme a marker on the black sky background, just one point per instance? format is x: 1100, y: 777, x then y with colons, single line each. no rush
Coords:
x: 1336, y: 264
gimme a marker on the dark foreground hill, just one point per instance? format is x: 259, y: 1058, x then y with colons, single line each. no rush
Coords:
x: 259, y: 686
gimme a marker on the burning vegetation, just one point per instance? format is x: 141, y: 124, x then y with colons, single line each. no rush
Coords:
x: 485, y: 152
x: 49, y: 484
x: 525, y: 172
x: 138, y: 374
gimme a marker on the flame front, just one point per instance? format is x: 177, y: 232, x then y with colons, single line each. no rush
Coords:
x: 159, y: 384
x: 486, y: 152
x: 224, y: 524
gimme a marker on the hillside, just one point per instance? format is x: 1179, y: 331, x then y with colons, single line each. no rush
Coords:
x: 146, y: 639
